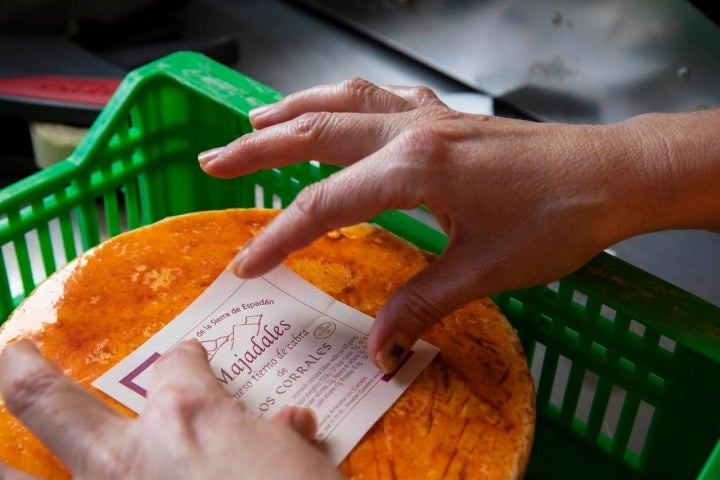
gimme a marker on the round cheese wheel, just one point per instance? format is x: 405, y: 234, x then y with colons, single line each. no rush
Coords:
x: 470, y: 414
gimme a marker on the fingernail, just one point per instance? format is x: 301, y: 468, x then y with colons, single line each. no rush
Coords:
x: 209, y: 155
x: 236, y: 264
x: 393, y: 352
x: 258, y: 112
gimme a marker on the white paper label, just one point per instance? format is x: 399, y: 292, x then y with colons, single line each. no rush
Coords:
x: 277, y: 341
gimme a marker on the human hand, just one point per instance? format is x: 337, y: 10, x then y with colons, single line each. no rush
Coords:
x: 191, y: 428
x: 523, y: 203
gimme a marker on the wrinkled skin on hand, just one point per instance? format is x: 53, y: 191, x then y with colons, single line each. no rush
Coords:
x: 191, y: 428
x: 522, y: 203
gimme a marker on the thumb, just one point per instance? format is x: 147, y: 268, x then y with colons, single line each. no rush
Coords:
x: 300, y: 419
x: 442, y: 287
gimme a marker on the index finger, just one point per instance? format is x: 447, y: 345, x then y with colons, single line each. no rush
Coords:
x: 352, y: 195
x: 69, y: 419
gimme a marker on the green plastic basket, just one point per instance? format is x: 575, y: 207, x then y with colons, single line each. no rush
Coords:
x: 627, y: 366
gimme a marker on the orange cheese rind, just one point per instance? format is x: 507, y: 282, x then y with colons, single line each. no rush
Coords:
x: 470, y: 414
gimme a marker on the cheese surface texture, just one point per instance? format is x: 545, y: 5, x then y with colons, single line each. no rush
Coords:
x: 470, y: 414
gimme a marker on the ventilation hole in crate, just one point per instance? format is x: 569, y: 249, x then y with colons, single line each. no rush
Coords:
x: 554, y: 286
x: 314, y: 163
x: 536, y: 362
x: 667, y: 343
x: 579, y: 299
x: 587, y: 392
x: 101, y: 223
x: 641, y: 427
x: 60, y: 255
x: 612, y: 413
x: 12, y: 269
x: 132, y: 202
x: 69, y: 235
x: 637, y: 327
x: 277, y: 202
x: 608, y: 312
x: 34, y: 253
x: 25, y: 264
x: 560, y: 381
x: 259, y: 195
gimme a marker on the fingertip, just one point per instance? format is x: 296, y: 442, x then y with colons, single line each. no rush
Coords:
x: 393, y: 333
x: 238, y: 265
x: 206, y: 157
x: 258, y: 116
x: 301, y: 419
x: 190, y: 347
x: 189, y: 352
x: 262, y: 253
x: 193, y: 345
x: 21, y: 363
x: 62, y: 414
x: 19, y: 356
x: 16, y: 346
x: 392, y: 352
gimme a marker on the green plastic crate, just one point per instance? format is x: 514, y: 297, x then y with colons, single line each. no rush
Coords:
x: 627, y: 366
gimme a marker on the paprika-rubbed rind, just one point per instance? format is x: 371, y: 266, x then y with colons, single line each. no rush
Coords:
x: 470, y: 414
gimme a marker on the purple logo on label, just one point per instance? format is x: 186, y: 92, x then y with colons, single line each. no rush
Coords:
x: 129, y: 379
x: 324, y: 330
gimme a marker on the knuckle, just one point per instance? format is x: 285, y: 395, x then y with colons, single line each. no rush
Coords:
x: 438, y: 116
x: 309, y: 202
x: 315, y: 208
x: 423, y: 95
x: 425, y: 140
x: 357, y: 87
x: 362, y: 94
x: 309, y: 127
x: 420, y: 311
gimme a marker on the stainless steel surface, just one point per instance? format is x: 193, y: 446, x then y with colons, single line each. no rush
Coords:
x: 560, y: 60
x: 289, y: 48
x: 689, y: 259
